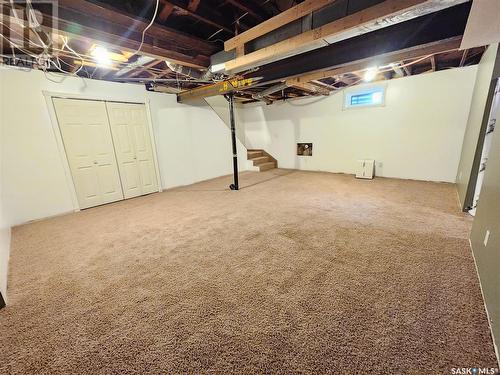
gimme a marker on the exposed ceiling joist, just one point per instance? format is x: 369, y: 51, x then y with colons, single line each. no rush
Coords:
x: 312, y: 88
x: 438, y: 32
x: 193, y: 5
x: 166, y: 11
x: 143, y: 68
x: 247, y: 7
x: 225, y: 87
x: 276, y: 22
x: 415, y: 53
x: 122, y: 30
x: 185, y: 11
x: 435, y: 27
x: 381, y: 15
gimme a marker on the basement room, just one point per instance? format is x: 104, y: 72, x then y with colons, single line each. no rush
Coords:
x: 249, y: 187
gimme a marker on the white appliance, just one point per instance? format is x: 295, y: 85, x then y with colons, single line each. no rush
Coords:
x: 365, y: 168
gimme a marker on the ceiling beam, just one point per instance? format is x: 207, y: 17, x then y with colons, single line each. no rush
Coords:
x: 438, y: 47
x: 438, y: 32
x: 277, y: 21
x: 179, y: 10
x: 166, y: 12
x: 312, y: 88
x: 357, y: 23
x: 193, y: 5
x: 120, y: 30
x: 435, y: 27
x: 247, y: 7
x: 225, y: 87
x: 109, y: 15
x: 143, y: 68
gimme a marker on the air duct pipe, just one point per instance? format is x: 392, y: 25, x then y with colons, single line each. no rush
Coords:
x: 262, y: 95
x: 190, y: 72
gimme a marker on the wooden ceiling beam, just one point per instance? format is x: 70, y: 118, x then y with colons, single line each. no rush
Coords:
x: 437, y: 27
x: 166, y: 12
x: 113, y: 39
x: 185, y: 11
x: 241, y: 84
x: 380, y: 60
x: 357, y: 23
x: 107, y: 15
x: 143, y: 68
x: 276, y: 22
x: 193, y: 5
x: 247, y: 7
x: 438, y: 32
x: 312, y: 88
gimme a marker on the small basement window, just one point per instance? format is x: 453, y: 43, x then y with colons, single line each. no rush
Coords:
x: 367, y: 97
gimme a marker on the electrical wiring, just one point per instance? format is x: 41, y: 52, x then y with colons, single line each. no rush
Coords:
x: 358, y: 81
x: 323, y: 97
x: 65, y: 44
x: 147, y: 27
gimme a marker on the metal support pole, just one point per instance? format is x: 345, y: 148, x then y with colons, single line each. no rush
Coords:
x: 230, y: 98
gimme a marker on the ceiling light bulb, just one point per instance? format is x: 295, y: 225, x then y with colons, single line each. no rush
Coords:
x: 101, y: 56
x: 370, y: 74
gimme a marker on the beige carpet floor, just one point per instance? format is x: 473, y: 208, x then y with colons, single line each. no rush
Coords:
x: 299, y: 272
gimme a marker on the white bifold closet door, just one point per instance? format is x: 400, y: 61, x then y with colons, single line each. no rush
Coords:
x: 134, y: 152
x: 89, y: 148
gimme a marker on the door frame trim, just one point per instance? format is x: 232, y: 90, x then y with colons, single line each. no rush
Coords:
x: 49, y: 95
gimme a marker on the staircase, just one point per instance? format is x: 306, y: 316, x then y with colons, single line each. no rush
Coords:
x: 259, y: 160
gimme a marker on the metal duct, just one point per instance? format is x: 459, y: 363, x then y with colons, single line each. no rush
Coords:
x: 190, y: 72
x: 142, y: 60
x: 262, y: 95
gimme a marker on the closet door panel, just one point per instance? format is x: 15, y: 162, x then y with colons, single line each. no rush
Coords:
x: 133, y: 147
x: 89, y: 148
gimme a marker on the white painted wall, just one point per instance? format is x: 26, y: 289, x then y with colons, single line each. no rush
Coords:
x: 417, y: 135
x: 4, y: 226
x: 192, y: 142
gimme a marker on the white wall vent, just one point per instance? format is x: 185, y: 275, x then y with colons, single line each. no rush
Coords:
x: 365, y: 168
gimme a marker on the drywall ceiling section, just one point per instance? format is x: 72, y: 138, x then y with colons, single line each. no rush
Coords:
x: 483, y: 25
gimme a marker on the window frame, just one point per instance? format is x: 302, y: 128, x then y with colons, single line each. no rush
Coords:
x: 355, y: 91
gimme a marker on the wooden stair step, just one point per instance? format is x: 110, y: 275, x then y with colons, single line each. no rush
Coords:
x: 267, y: 166
x: 254, y: 153
x: 260, y: 160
